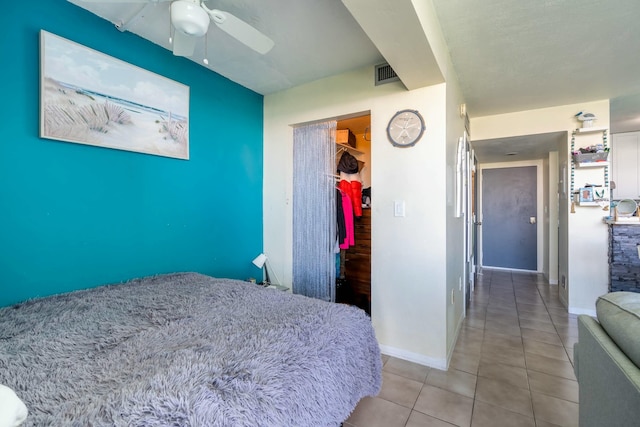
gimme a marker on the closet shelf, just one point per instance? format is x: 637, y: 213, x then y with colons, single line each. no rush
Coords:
x: 349, y: 148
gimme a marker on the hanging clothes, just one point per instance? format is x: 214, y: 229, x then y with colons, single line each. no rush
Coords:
x: 341, y: 229
x: 350, y: 181
x: 347, y: 209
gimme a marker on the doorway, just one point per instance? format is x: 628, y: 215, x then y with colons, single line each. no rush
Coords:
x: 509, y: 218
x: 353, y: 275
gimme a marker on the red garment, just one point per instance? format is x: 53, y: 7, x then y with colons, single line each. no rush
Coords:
x: 354, y: 190
x: 347, y: 209
x: 356, y: 197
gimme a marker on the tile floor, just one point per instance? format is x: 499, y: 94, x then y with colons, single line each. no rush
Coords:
x: 512, y: 366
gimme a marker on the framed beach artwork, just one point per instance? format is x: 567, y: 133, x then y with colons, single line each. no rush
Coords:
x: 87, y: 97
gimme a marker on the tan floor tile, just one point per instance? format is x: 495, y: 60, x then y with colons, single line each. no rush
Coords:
x: 500, y: 317
x: 561, y: 388
x: 543, y: 423
x: 475, y: 322
x: 511, y: 375
x: 568, y: 341
x: 550, y: 366
x: 504, y: 395
x: 564, y: 320
x: 503, y: 328
x: 544, y: 349
x: 537, y: 316
x: 418, y: 419
x: 400, y: 390
x: 467, y: 346
x: 376, y: 412
x: 445, y: 405
x: 465, y: 362
x: 554, y: 410
x: 486, y: 415
x: 459, y: 382
x: 502, y: 340
x: 517, y: 337
x: 567, y: 330
x: 557, y: 309
x: 534, y: 308
x: 538, y: 326
x: 384, y: 358
x: 549, y: 338
x: 406, y: 369
x: 526, y: 298
x: 499, y: 355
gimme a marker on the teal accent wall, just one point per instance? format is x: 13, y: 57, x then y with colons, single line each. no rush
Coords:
x: 74, y: 216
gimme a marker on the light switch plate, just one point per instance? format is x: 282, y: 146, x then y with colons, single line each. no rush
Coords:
x: 398, y: 208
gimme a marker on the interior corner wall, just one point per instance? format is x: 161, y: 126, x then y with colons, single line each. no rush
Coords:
x: 545, y: 221
x: 75, y: 216
x: 408, y: 261
x: 553, y: 220
x: 456, y: 226
x: 455, y: 245
x: 582, y: 239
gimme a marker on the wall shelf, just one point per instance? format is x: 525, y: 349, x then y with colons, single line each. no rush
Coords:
x: 590, y: 130
x: 578, y: 160
x: 592, y: 164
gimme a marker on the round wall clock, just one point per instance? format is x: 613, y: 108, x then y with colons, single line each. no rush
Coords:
x: 405, y: 128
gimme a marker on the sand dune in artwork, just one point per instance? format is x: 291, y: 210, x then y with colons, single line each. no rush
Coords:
x: 72, y: 114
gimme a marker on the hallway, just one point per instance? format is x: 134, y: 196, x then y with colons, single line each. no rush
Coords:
x: 512, y: 366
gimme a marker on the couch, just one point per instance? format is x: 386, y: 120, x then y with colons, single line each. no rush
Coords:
x: 607, y: 361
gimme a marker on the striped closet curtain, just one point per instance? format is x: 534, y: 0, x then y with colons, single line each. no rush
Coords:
x: 314, y: 210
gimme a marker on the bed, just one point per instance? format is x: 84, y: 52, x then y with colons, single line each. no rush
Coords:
x: 187, y: 350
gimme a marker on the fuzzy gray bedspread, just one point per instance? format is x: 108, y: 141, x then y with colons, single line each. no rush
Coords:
x: 187, y: 350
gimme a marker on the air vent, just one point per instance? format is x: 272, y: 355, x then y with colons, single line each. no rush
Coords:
x: 385, y: 74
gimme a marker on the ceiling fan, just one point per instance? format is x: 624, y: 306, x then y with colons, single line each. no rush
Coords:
x: 190, y: 20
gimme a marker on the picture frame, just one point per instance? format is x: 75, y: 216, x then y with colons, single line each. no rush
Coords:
x: 88, y: 97
x: 585, y: 195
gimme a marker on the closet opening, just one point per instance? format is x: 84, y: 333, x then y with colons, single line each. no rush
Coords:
x: 353, y: 211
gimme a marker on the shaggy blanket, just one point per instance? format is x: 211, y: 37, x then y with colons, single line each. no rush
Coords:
x: 187, y: 350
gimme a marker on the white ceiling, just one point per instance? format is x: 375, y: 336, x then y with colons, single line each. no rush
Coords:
x: 509, y: 55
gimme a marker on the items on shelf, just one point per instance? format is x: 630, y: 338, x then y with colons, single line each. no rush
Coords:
x: 595, y: 155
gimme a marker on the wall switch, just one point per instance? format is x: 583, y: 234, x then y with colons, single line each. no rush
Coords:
x: 460, y: 283
x: 452, y: 297
x: 398, y: 208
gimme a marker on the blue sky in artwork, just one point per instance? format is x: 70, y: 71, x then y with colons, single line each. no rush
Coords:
x: 71, y: 63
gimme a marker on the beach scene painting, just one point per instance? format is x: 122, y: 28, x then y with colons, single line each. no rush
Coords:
x: 91, y: 98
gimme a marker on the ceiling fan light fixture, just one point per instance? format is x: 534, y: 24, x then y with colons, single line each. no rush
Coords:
x: 189, y: 18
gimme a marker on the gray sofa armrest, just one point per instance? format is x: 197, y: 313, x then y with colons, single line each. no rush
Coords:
x: 609, y: 383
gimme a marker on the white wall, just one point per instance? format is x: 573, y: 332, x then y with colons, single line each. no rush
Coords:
x: 408, y: 253
x: 552, y: 207
x: 455, y: 249
x: 585, y: 263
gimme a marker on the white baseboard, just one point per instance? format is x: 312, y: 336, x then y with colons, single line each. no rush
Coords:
x: 577, y: 310
x: 515, y: 270
x: 418, y: 358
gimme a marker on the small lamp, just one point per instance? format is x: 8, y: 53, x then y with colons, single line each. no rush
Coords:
x: 262, y: 261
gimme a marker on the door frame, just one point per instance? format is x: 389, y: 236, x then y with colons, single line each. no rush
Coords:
x: 539, y: 207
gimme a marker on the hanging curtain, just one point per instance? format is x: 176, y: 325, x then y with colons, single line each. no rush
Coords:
x: 314, y: 210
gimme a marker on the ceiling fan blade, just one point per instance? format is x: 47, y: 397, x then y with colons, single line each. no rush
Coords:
x: 183, y: 44
x: 240, y: 30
